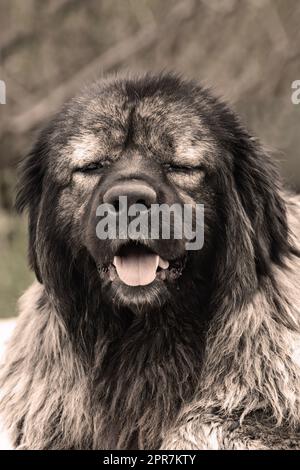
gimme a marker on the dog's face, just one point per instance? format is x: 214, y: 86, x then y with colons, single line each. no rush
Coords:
x: 155, y: 140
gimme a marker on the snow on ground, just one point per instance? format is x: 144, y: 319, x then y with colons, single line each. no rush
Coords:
x: 6, y: 328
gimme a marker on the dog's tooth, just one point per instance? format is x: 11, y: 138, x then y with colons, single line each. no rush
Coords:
x: 163, y: 263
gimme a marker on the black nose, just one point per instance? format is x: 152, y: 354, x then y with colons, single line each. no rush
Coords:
x: 137, y: 192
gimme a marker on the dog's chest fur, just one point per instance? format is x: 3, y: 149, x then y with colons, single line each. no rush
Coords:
x: 142, y: 379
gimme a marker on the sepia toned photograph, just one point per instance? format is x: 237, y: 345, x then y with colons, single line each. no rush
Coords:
x: 149, y: 228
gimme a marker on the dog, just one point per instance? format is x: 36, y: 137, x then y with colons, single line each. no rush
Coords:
x: 141, y: 343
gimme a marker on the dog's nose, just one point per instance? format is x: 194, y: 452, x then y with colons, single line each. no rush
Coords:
x: 136, y: 192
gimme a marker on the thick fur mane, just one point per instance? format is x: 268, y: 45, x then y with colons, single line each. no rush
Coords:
x: 250, y: 366
x: 139, y: 376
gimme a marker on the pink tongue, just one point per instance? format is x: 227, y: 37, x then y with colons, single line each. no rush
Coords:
x: 138, y: 269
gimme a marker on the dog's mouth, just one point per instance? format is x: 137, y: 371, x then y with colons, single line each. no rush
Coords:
x: 135, y: 264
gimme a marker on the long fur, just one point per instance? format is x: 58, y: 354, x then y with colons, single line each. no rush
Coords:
x: 217, y: 368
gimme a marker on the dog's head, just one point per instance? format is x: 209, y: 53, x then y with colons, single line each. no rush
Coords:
x: 155, y: 140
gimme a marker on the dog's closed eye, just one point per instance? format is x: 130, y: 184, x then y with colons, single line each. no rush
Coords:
x: 173, y: 167
x: 93, y: 167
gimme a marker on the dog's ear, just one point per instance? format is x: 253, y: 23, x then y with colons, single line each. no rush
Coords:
x: 29, y: 192
x: 254, y: 232
x: 259, y: 188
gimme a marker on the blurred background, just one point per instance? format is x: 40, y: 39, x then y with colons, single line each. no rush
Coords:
x: 247, y: 51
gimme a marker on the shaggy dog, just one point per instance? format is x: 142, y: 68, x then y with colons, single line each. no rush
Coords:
x: 202, y: 356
